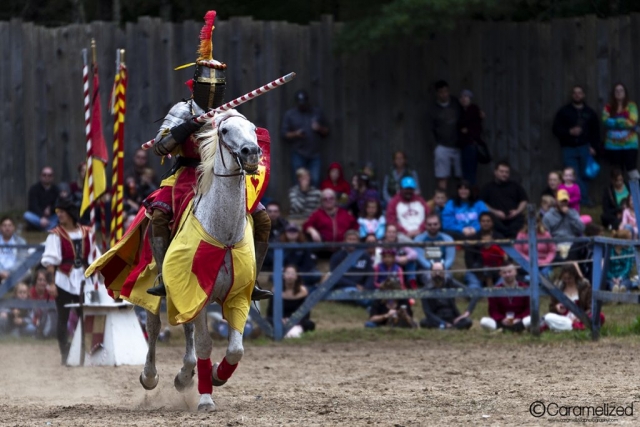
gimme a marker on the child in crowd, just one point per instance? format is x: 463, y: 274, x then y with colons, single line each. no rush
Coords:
x: 569, y: 184
x: 388, y: 269
x: 18, y: 321
x: 437, y: 204
x: 44, y: 319
x: 371, y: 220
x: 620, y: 264
x: 629, y: 217
x: 546, y: 250
x: 546, y: 203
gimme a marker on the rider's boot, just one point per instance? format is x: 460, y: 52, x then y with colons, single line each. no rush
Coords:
x: 159, y: 246
x: 261, y: 252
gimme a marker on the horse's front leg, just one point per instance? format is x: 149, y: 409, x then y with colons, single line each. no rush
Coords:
x: 204, y: 345
x: 149, y: 376
x: 184, y: 378
x: 222, y: 371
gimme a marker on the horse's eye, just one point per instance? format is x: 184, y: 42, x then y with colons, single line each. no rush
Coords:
x: 224, y: 131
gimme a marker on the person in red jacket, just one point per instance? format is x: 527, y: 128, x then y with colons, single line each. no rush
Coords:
x: 329, y: 222
x: 507, y: 312
x: 336, y: 182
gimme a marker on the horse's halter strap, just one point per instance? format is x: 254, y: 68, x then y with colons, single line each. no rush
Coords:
x: 233, y: 153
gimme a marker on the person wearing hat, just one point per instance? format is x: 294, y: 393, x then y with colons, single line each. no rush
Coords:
x: 470, y: 136
x: 563, y: 222
x: 304, y: 127
x: 68, y: 251
x: 407, y: 210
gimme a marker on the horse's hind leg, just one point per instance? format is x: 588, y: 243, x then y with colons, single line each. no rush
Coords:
x: 222, y: 371
x: 149, y: 376
x: 184, y: 379
x: 204, y: 345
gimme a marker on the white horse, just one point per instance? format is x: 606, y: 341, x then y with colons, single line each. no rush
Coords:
x: 229, y: 150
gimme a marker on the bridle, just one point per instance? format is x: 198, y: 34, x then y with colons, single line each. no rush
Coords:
x: 221, y: 142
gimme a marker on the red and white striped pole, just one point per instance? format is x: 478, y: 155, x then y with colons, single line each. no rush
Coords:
x: 236, y: 102
x: 89, y: 169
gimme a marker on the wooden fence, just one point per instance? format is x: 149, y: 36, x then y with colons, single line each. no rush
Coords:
x: 521, y: 73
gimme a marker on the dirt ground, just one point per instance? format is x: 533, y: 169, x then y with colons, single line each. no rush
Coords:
x: 398, y: 383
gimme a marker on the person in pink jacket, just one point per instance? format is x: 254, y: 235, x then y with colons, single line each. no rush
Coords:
x: 629, y: 217
x: 546, y: 250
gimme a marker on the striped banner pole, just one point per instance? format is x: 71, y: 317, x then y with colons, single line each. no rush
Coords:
x: 236, y: 102
x: 118, y: 110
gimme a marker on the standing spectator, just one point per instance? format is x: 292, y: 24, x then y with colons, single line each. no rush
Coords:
x: 304, y: 126
x: 371, y: 220
x: 361, y: 194
x: 336, y: 182
x: 629, y: 218
x: 400, y: 170
x: 553, y: 183
x: 329, y: 223
x: 407, y: 211
x: 507, y: 312
x: 470, y: 136
x: 10, y: 258
x: 546, y: 250
x: 18, y: 321
x: 621, y: 264
x: 359, y: 276
x: 614, y: 194
x: 42, y: 198
x: 506, y: 200
x: 302, y: 259
x: 304, y: 198
x: 460, y: 218
x: 443, y: 312
x: 488, y: 256
x: 445, y: 117
x: 620, y: 117
x: 68, y: 252
x: 577, y: 128
x: 294, y: 294
x: 564, y: 223
x: 438, y: 202
x: 388, y: 269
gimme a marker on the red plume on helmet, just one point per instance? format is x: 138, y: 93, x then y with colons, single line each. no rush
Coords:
x: 206, y: 46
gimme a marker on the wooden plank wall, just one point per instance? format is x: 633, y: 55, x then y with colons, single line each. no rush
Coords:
x: 375, y: 103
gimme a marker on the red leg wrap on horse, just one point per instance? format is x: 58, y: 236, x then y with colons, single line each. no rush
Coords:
x: 225, y: 370
x: 205, y: 385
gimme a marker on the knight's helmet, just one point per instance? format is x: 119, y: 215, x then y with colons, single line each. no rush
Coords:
x: 208, y: 79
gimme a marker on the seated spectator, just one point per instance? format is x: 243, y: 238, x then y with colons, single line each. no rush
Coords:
x: 388, y: 269
x: 140, y: 163
x: 43, y: 319
x: 428, y: 255
x: 147, y: 183
x: 553, y: 183
x: 360, y: 194
x: 329, y: 223
x: 564, y: 223
x: 486, y: 256
x: 612, y: 199
x: 400, y: 170
x: 359, y: 276
x: 407, y: 211
x: 406, y: 256
x: 573, y: 189
x: 546, y: 203
x: 371, y: 220
x: 585, y: 252
x: 41, y: 214
x: 18, y: 321
x: 10, y: 258
x: 460, y: 215
x: 507, y: 312
x: 76, y: 187
x: 336, y: 182
x: 278, y: 224
x: 132, y: 198
x: 621, y: 264
x: 393, y: 313
x: 506, y: 200
x: 303, y: 197
x: 629, y: 217
x: 369, y: 171
x: 443, y: 312
x: 372, y: 248
x: 302, y: 259
x: 578, y: 290
x: 438, y: 202
x: 546, y: 250
x: 294, y: 294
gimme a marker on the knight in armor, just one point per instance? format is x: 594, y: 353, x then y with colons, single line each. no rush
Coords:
x: 68, y: 251
x: 177, y: 137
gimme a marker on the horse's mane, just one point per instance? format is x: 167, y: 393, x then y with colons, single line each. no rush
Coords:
x: 208, y: 138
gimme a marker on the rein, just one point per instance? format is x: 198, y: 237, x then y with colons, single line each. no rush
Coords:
x: 241, y: 171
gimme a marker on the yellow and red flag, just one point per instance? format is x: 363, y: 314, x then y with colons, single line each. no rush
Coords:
x: 118, y: 110
x: 257, y: 184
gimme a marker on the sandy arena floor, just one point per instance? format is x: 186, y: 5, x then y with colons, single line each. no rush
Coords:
x: 399, y: 383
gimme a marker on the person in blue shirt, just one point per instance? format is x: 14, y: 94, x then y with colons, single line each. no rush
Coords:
x: 460, y: 217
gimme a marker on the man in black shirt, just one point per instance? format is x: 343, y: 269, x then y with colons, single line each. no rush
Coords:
x: 40, y: 214
x: 506, y: 200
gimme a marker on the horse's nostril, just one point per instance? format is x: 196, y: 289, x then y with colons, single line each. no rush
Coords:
x: 245, y: 151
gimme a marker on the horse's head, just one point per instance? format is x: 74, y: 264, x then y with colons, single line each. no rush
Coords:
x: 238, y: 135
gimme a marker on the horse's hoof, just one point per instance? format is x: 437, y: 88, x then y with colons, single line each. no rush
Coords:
x: 206, y: 404
x: 180, y: 386
x: 214, y: 377
x: 154, y: 382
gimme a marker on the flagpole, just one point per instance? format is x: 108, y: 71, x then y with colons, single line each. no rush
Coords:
x: 118, y: 110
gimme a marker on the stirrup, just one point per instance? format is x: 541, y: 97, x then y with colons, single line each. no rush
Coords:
x: 260, y: 294
x: 158, y: 290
